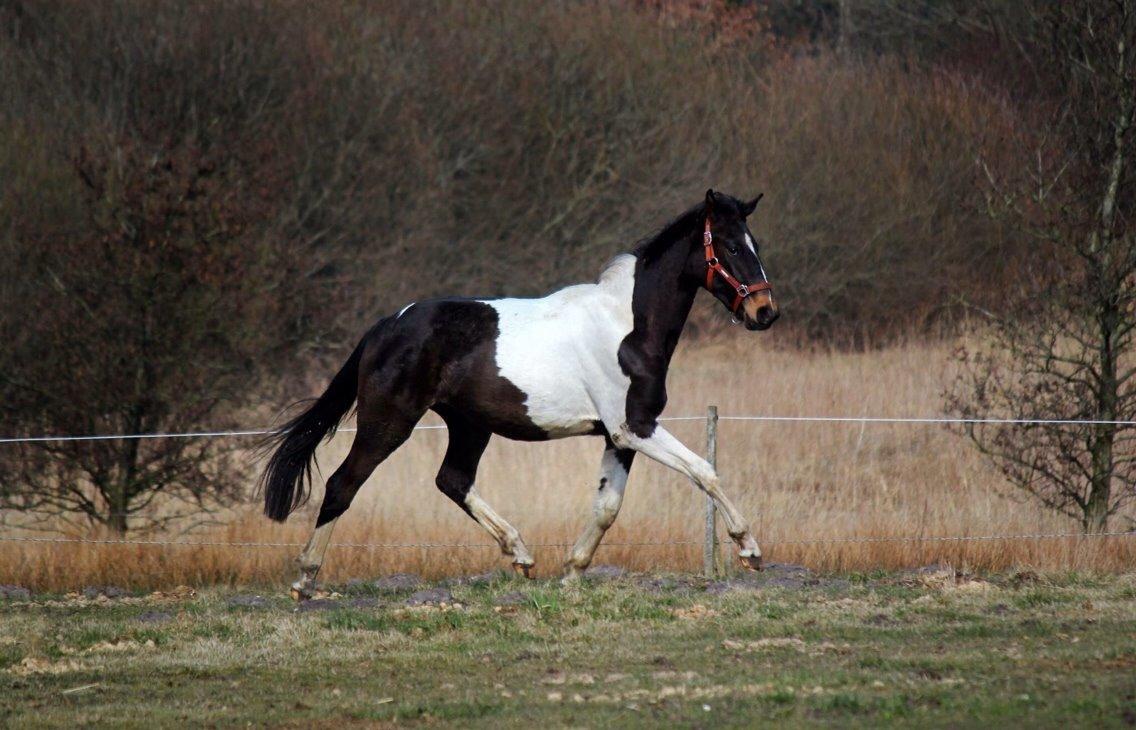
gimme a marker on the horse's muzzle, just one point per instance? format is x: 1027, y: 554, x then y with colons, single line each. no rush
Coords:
x: 761, y: 314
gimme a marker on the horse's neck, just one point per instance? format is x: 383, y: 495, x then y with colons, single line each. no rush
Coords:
x: 661, y: 302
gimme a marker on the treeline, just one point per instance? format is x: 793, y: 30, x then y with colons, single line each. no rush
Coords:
x: 382, y: 152
x: 198, y: 198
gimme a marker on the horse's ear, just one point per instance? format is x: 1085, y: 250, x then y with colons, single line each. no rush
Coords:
x: 710, y: 200
x: 749, y: 207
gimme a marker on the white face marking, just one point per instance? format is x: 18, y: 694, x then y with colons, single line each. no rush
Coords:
x: 403, y: 310
x: 753, y: 247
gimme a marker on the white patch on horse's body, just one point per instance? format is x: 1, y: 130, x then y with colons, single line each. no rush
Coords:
x: 562, y: 350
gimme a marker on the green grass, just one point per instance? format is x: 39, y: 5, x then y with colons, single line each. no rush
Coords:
x: 875, y: 651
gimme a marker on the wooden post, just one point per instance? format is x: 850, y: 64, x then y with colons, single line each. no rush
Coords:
x: 710, y: 547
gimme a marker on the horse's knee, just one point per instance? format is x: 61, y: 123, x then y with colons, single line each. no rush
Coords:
x: 705, y: 476
x: 607, y: 507
x: 606, y: 514
x: 622, y: 437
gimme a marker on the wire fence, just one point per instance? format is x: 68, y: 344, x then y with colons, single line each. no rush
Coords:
x: 612, y: 543
x: 659, y: 543
x: 928, y: 420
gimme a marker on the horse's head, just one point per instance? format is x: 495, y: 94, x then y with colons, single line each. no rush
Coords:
x: 729, y: 262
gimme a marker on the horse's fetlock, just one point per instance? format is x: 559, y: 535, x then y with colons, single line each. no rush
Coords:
x: 739, y: 534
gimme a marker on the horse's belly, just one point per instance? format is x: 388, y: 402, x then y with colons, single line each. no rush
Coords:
x: 555, y: 400
x: 554, y: 358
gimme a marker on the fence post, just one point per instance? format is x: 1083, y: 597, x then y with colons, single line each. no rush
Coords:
x: 710, y: 546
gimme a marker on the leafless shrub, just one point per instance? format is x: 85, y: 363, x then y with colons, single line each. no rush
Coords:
x: 1068, y: 352
x: 151, y: 290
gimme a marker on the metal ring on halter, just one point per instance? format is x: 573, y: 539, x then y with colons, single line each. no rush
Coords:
x: 743, y: 291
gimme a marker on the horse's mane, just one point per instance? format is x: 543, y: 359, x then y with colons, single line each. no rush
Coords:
x: 651, y: 248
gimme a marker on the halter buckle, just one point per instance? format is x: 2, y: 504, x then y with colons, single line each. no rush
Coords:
x: 712, y: 261
x: 743, y: 291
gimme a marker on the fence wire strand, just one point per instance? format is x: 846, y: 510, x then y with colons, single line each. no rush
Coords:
x: 657, y: 543
x: 662, y: 543
x: 438, y: 427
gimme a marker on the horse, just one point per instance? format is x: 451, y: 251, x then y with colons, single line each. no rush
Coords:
x: 585, y: 360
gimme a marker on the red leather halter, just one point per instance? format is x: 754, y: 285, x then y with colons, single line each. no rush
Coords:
x: 713, y: 266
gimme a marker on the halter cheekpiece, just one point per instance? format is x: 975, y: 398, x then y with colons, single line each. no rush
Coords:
x: 713, y: 266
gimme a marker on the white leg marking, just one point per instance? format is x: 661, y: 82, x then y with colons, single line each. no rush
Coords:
x: 311, y: 559
x: 609, y: 497
x: 505, y: 534
x: 669, y: 451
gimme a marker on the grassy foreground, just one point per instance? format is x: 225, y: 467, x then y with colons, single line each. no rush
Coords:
x: 911, y: 649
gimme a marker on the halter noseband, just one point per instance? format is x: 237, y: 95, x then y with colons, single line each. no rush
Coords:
x: 713, y: 266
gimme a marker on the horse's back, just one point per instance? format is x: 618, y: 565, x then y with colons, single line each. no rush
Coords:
x: 524, y: 368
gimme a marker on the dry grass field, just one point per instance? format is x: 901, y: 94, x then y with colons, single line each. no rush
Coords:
x: 795, y: 481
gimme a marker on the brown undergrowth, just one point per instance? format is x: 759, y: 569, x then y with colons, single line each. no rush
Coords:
x: 795, y: 481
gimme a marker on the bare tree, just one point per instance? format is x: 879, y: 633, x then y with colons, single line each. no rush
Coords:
x: 153, y: 276
x: 1069, y: 351
x: 152, y: 315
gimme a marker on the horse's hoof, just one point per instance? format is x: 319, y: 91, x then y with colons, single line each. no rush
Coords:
x: 750, y: 562
x: 301, y: 592
x: 572, y: 577
x: 524, y: 569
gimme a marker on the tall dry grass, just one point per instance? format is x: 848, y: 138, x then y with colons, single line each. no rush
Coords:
x: 795, y: 481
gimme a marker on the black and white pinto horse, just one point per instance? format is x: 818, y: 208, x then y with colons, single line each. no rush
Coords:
x: 586, y: 360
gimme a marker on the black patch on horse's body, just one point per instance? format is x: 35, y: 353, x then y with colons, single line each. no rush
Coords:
x: 446, y: 351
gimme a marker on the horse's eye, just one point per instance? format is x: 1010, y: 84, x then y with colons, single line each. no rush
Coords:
x: 733, y: 250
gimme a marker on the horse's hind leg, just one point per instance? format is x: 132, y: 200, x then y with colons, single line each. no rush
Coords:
x: 374, y: 442
x: 456, y: 480
x: 614, y: 468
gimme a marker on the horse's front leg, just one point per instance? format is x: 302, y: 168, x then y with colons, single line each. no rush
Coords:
x: 614, y: 467
x: 664, y: 448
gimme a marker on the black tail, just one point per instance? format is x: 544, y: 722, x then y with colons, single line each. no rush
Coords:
x: 287, y: 478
